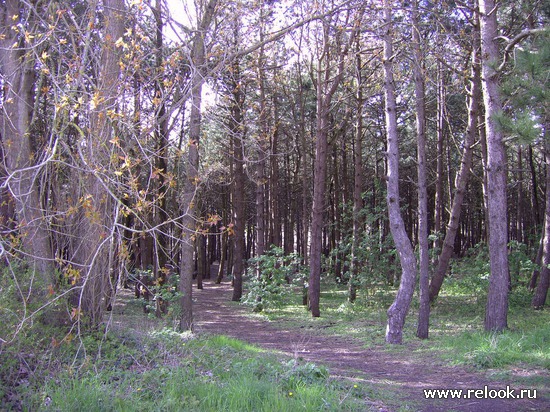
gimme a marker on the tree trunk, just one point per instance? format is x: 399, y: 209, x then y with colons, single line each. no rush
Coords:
x: 424, y: 257
x: 496, y: 314
x: 161, y: 137
x: 239, y: 201
x: 327, y: 84
x: 461, y: 179
x: 539, y: 298
x: 18, y: 73
x: 439, y: 203
x: 98, y: 215
x: 398, y: 310
x: 318, y: 209
x: 198, y: 59
x: 357, y: 183
x: 263, y: 138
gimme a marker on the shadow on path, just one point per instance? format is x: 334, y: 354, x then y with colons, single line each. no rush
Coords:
x: 406, y: 376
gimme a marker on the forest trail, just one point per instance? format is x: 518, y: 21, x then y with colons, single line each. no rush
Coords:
x: 402, y: 373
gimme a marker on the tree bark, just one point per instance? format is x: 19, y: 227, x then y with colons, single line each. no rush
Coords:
x: 161, y: 136
x: 327, y: 84
x: 357, y: 183
x: 439, y: 202
x: 198, y: 59
x: 461, y: 178
x: 23, y: 166
x: 400, y: 307
x: 239, y: 202
x: 424, y: 257
x: 98, y: 214
x: 496, y: 314
x: 541, y: 291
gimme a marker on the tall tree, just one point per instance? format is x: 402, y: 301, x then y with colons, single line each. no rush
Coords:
x: 463, y: 173
x: 236, y: 130
x: 330, y: 69
x: 96, y: 231
x: 357, y: 180
x: 23, y: 164
x: 205, y: 14
x: 496, y: 314
x: 423, y: 245
x: 400, y: 307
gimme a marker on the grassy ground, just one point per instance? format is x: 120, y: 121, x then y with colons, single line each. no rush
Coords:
x: 142, y: 365
x: 456, y: 326
x: 205, y: 374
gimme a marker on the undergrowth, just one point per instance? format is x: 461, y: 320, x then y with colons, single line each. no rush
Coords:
x: 157, y: 369
x: 201, y: 374
x: 456, y: 322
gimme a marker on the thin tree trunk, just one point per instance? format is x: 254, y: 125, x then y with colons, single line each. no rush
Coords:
x: 521, y: 236
x: 461, y: 179
x: 198, y: 59
x: 318, y: 209
x: 261, y: 146
x: 400, y: 307
x: 239, y: 205
x: 438, y: 207
x: 357, y: 183
x: 327, y: 85
x: 161, y: 137
x: 424, y: 257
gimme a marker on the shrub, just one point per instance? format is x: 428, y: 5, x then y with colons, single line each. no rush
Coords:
x: 270, y: 279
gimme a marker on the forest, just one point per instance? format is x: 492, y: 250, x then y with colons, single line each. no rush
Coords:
x: 158, y: 147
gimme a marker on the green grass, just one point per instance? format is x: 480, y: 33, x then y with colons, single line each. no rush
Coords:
x: 211, y: 374
x: 139, y: 365
x: 158, y: 369
x: 456, y: 324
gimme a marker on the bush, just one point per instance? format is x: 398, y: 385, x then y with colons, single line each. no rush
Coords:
x: 270, y: 279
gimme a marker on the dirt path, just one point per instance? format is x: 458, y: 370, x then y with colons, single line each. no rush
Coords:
x: 399, y: 373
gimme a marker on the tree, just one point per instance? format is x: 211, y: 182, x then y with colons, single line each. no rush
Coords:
x: 94, y: 255
x: 206, y: 14
x: 400, y: 307
x: 357, y: 182
x: 24, y: 162
x: 462, y: 176
x: 420, y: 100
x: 330, y: 69
x: 496, y: 315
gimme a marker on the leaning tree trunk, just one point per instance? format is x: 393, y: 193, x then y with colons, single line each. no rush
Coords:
x: 496, y: 314
x: 461, y: 178
x: 398, y: 310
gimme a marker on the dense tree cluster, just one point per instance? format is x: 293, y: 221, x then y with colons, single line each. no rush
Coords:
x: 145, y: 141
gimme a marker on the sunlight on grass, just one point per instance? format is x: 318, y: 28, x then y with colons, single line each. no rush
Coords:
x: 221, y: 341
x: 214, y: 374
x: 456, y: 331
